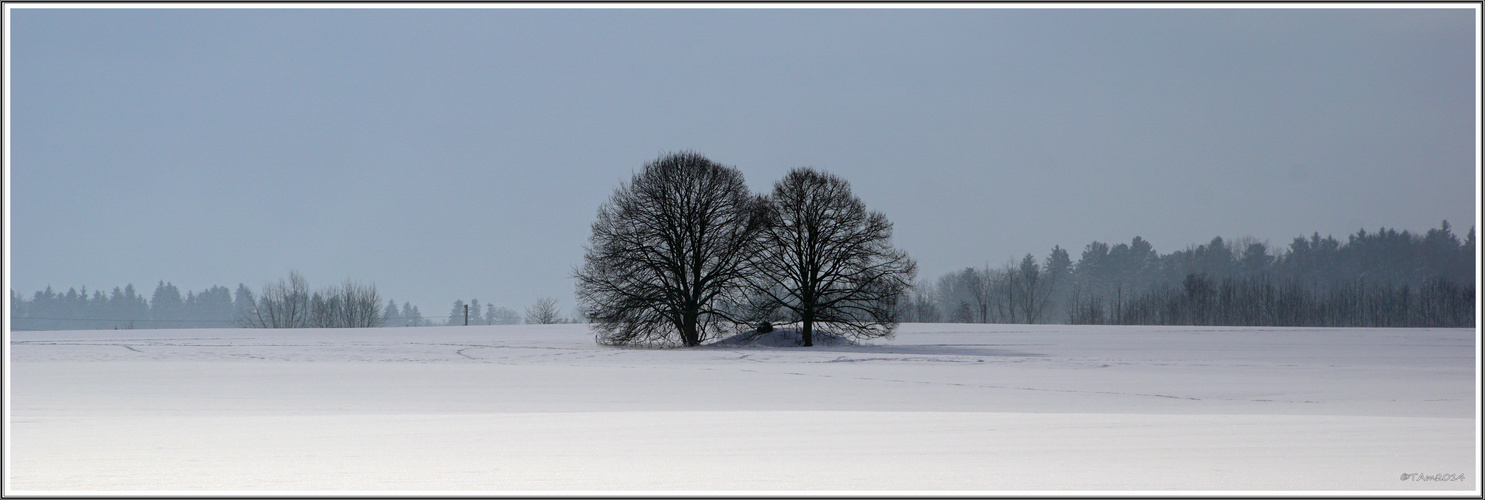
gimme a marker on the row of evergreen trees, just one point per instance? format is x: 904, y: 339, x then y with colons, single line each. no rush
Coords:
x: 1259, y: 302
x: 215, y: 307
x: 1322, y: 281
x: 126, y: 308
x: 1386, y: 256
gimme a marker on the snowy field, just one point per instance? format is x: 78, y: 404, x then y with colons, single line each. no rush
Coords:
x: 940, y: 408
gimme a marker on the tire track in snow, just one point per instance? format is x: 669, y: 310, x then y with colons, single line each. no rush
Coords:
x: 1078, y: 391
x: 95, y: 344
x: 846, y: 359
x: 1040, y: 389
x: 461, y: 352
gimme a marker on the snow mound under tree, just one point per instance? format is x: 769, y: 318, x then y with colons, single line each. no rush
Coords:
x: 782, y: 337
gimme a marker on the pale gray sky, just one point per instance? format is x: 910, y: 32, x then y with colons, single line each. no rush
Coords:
x: 463, y: 153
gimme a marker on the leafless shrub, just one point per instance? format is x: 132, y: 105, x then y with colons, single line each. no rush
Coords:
x: 543, y: 312
x: 289, y: 304
x: 281, y: 305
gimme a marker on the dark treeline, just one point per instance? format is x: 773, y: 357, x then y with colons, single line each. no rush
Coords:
x: 1382, y: 278
x: 1260, y: 302
x: 126, y: 307
x: 220, y: 307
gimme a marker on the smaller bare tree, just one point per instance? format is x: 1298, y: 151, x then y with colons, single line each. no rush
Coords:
x: 285, y: 304
x: 978, y: 283
x: 358, y: 305
x: 827, y: 260
x: 918, y: 305
x: 323, y: 312
x: 1005, y: 286
x: 289, y: 304
x: 543, y: 312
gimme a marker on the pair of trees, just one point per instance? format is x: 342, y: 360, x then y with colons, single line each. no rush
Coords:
x: 290, y: 304
x: 683, y: 250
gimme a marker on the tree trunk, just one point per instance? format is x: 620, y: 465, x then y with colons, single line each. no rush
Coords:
x: 689, y: 336
x: 808, y: 322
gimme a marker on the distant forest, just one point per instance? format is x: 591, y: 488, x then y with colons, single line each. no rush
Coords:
x: 215, y: 307
x: 1382, y: 278
x: 127, y: 308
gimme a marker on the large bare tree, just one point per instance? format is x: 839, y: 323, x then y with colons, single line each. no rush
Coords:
x: 667, y: 254
x: 826, y: 259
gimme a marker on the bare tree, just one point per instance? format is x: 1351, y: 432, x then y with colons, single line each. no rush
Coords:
x: 978, y: 282
x: 289, y: 304
x: 968, y: 295
x: 324, y: 312
x: 667, y: 254
x: 827, y: 260
x: 350, y: 305
x: 358, y: 305
x: 953, y: 298
x: 543, y: 312
x: 1006, y: 285
x: 919, y: 306
x: 285, y: 304
x: 1022, y: 291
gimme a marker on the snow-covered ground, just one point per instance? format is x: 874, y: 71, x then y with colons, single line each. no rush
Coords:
x: 939, y: 408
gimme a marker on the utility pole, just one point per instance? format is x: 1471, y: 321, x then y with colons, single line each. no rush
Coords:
x: 466, y: 314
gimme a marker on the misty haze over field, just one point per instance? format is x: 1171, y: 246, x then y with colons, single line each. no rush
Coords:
x: 447, y: 154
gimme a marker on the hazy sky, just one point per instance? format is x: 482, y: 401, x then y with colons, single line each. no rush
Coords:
x: 464, y: 153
